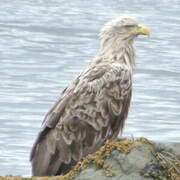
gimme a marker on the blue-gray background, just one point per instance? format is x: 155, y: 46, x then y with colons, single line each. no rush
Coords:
x: 44, y: 44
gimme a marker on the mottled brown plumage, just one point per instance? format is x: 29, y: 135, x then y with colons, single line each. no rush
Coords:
x: 93, y: 108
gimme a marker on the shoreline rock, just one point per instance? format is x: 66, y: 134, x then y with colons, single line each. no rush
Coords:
x: 145, y: 161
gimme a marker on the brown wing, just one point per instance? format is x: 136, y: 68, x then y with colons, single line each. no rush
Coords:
x: 91, y: 110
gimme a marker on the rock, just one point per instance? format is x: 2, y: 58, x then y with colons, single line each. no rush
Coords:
x: 139, y: 164
x: 169, y: 147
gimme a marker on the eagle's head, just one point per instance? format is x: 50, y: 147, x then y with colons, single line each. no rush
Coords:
x: 121, y: 32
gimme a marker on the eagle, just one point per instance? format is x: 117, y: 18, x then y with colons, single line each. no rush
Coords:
x: 94, y: 107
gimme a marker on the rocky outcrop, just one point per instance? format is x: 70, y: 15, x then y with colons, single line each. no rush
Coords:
x: 145, y: 161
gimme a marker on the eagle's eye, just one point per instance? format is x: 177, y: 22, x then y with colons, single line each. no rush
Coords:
x: 130, y: 25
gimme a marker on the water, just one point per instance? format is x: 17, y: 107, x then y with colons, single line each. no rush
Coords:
x: 44, y: 44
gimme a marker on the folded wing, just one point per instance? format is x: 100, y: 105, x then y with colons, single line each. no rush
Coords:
x: 90, y: 111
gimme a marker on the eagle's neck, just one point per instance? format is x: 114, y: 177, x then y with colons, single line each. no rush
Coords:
x: 117, y: 50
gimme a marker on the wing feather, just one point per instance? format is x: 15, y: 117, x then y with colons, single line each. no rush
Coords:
x: 92, y: 109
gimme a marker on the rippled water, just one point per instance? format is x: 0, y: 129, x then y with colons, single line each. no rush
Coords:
x: 44, y: 44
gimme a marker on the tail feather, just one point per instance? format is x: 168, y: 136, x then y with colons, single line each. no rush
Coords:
x: 44, y: 156
x: 50, y: 155
x: 40, y: 160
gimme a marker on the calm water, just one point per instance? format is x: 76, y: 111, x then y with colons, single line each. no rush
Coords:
x: 44, y: 44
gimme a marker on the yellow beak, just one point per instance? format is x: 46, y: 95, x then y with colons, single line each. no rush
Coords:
x: 143, y: 30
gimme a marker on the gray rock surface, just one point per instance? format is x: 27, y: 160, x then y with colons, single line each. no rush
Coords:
x: 128, y: 166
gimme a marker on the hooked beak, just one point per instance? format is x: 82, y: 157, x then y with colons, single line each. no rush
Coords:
x: 142, y: 30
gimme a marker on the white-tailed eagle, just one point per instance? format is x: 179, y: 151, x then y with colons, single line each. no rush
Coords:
x: 94, y: 107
